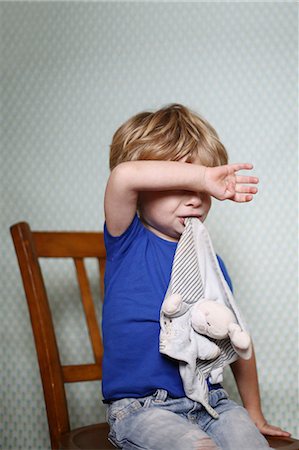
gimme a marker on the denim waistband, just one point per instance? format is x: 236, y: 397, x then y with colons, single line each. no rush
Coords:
x: 162, y: 394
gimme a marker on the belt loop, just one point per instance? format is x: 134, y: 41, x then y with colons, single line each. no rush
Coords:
x: 160, y: 395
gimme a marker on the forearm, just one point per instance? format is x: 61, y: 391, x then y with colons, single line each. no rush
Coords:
x: 136, y: 176
x: 245, y: 373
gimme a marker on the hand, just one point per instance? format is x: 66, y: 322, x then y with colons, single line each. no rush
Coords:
x: 223, y: 183
x: 271, y: 430
x: 265, y: 427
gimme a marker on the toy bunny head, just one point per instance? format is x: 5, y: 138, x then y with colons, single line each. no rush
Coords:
x: 212, y: 319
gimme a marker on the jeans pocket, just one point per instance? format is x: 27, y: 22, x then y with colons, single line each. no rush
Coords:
x: 117, y: 412
x: 120, y: 409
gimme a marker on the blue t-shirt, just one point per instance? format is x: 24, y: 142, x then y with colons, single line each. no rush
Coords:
x: 138, y: 271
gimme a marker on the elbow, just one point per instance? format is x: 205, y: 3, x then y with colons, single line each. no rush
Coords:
x: 122, y: 178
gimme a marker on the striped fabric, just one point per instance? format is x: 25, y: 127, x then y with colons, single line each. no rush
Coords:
x: 185, y: 275
x: 196, y: 276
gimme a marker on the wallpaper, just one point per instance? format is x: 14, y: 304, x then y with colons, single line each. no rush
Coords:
x: 71, y: 74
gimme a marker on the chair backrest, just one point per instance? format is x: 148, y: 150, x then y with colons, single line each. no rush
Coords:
x: 30, y: 246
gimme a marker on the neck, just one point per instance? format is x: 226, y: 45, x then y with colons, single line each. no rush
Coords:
x: 159, y: 233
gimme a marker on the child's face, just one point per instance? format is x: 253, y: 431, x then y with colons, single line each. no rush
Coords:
x: 164, y: 212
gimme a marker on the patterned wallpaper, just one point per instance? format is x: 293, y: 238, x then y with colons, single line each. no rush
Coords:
x: 71, y: 74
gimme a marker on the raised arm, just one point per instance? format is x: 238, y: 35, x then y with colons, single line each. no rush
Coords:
x: 130, y: 178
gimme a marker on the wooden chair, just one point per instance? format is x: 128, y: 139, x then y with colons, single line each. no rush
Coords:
x: 29, y: 246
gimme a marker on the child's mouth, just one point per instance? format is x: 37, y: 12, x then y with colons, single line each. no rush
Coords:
x: 183, y: 219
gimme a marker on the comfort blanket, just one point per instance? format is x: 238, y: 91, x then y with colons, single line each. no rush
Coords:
x: 197, y: 276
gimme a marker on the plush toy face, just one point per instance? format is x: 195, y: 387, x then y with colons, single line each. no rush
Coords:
x: 212, y: 319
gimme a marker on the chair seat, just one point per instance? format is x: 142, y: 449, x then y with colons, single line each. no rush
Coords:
x: 93, y: 437
x: 282, y: 443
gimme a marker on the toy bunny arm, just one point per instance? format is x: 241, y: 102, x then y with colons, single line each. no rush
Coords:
x: 239, y: 338
x: 206, y: 349
x: 173, y: 306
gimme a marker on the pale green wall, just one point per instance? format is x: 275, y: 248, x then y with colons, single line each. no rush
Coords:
x: 71, y: 74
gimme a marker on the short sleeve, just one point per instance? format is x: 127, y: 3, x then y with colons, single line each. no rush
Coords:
x: 117, y: 245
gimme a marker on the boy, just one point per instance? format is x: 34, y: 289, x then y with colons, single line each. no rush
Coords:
x: 166, y: 166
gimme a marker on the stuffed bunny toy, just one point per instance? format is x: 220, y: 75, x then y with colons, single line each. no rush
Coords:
x: 212, y: 319
x: 217, y: 321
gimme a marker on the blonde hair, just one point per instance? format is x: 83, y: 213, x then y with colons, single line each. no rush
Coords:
x: 170, y: 134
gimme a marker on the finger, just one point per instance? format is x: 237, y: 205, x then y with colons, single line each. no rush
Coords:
x: 278, y: 430
x: 242, y: 198
x: 247, y: 180
x: 273, y: 430
x: 246, y: 189
x: 241, y: 166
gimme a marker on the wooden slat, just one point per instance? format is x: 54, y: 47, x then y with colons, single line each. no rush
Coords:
x: 89, y: 310
x: 81, y: 372
x: 102, y: 265
x: 69, y: 244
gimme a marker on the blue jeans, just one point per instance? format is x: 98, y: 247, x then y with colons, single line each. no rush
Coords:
x: 159, y: 422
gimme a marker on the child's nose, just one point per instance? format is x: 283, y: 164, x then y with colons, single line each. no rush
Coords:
x: 194, y: 200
